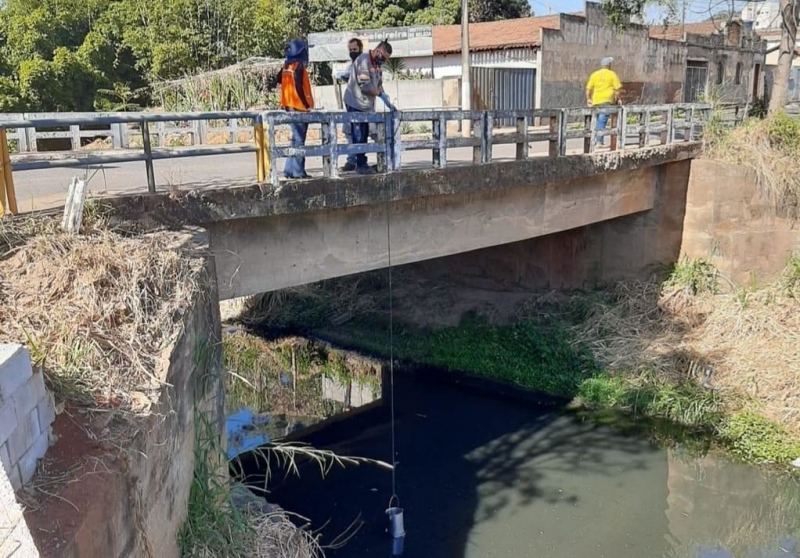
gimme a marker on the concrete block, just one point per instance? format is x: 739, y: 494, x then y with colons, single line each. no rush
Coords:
x: 15, y: 368
x: 24, y: 436
x: 29, y: 394
x: 27, y: 463
x: 8, y: 421
x: 46, y: 411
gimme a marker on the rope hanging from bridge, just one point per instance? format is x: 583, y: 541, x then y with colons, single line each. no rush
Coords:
x: 394, y: 511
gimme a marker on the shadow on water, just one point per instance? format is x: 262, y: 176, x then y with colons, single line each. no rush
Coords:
x: 482, y: 475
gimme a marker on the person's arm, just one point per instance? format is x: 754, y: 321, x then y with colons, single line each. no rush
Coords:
x: 364, y: 78
x: 299, y: 85
x: 617, y: 88
x: 589, y: 90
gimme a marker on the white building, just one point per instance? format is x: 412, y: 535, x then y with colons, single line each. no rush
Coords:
x: 764, y: 15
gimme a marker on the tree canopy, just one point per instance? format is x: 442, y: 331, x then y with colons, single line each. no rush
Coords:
x: 80, y: 55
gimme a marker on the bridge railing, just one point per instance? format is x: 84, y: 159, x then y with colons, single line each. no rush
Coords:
x: 664, y: 123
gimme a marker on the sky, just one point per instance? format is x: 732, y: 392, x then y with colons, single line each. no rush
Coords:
x: 696, y: 10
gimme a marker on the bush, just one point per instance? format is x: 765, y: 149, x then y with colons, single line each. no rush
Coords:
x: 757, y: 439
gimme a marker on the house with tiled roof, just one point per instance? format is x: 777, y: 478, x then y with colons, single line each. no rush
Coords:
x: 544, y: 61
x: 507, y: 43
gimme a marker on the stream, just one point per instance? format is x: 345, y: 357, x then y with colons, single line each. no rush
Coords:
x: 481, y: 474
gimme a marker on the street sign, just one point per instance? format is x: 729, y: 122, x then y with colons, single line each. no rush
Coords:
x: 405, y: 41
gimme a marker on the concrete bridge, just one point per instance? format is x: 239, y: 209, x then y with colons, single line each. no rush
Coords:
x: 491, y: 188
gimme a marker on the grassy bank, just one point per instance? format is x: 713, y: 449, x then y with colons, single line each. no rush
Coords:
x: 718, y: 363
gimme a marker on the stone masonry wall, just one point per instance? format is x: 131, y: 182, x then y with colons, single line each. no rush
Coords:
x: 26, y: 413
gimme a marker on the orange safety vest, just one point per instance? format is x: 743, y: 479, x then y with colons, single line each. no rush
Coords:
x: 291, y: 98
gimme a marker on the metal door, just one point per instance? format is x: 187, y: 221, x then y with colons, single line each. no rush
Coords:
x: 503, y: 89
x: 694, y: 86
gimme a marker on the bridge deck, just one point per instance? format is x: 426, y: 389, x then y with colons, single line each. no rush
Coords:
x: 47, y: 188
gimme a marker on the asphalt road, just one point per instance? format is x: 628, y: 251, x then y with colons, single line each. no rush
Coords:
x: 47, y: 188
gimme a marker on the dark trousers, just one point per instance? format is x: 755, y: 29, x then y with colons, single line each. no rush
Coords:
x: 296, y: 165
x: 359, y: 133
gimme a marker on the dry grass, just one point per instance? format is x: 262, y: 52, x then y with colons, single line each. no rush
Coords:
x: 276, y: 536
x: 769, y: 147
x: 96, y: 310
x: 750, y: 338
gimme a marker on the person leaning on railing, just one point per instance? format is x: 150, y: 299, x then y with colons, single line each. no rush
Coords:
x: 296, y: 96
x: 364, y: 86
x: 356, y: 49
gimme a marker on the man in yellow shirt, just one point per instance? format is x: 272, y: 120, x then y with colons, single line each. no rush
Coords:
x: 602, y: 89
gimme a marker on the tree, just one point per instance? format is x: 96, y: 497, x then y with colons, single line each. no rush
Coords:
x: 495, y: 10
x: 790, y: 16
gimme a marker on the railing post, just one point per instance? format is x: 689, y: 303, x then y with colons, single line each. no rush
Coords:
x: 233, y: 127
x: 161, y: 136
x: 486, y: 142
x: 22, y: 140
x: 613, y: 142
x: 588, y: 127
x: 7, y: 191
x: 622, y: 137
x: 202, y: 131
x: 330, y: 169
x: 522, y: 143
x: 116, y: 136
x: 440, y: 136
x: 552, y: 143
x: 258, y: 137
x: 562, y: 133
x: 691, y: 124
x: 476, y: 132
x: 272, y: 161
x: 148, y: 161
x: 383, y: 138
x: 75, y: 137
x: 644, y: 123
x: 667, y: 135
x: 396, y: 160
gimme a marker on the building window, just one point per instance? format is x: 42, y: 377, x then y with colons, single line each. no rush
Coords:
x: 720, y: 72
x: 738, y: 73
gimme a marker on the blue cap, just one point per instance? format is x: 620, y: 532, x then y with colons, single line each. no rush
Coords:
x: 297, y: 47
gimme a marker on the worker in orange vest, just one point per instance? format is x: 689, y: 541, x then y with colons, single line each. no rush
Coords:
x: 296, y: 96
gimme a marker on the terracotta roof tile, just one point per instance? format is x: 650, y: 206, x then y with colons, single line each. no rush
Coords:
x: 675, y: 31
x: 493, y: 35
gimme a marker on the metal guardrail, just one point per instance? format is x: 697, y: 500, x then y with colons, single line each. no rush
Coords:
x: 669, y: 123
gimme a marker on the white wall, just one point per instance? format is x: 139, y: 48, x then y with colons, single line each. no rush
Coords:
x: 406, y: 94
x: 449, y: 65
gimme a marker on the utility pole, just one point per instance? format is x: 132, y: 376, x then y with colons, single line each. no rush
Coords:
x: 466, y: 85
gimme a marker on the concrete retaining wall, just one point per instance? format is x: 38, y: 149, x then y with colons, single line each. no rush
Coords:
x: 730, y: 221
x: 26, y: 413
x: 139, y: 492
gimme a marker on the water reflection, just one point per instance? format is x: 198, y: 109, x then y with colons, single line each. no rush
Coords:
x: 484, y: 476
x: 248, y: 429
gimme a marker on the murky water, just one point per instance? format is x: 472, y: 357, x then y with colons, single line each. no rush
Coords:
x: 481, y: 475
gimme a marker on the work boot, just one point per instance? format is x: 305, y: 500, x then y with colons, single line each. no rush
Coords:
x: 347, y: 167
